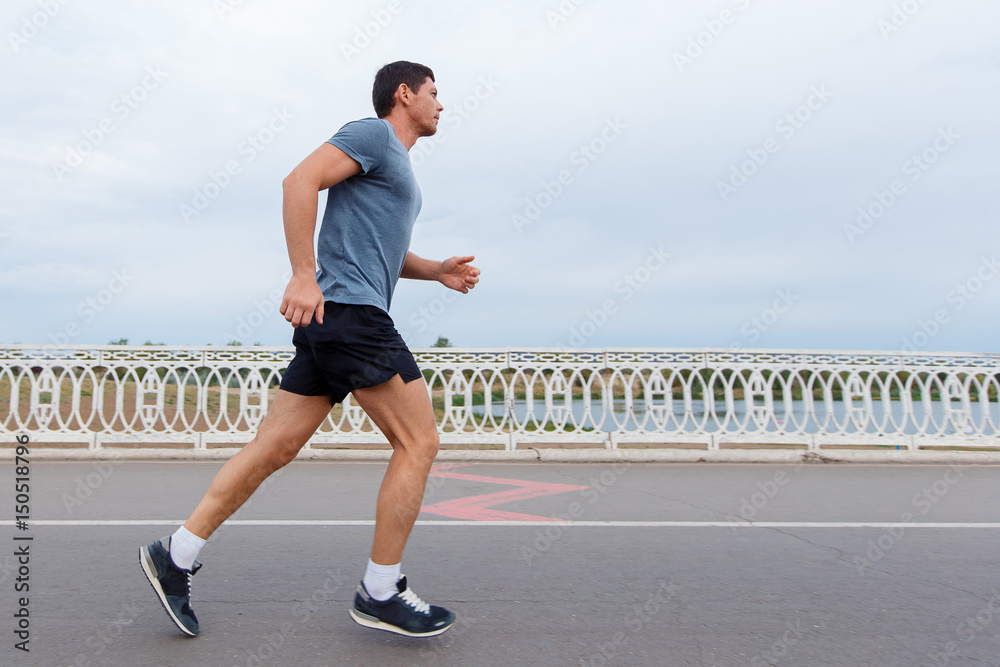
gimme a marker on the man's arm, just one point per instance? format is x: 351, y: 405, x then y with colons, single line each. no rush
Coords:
x: 324, y: 168
x: 455, y: 273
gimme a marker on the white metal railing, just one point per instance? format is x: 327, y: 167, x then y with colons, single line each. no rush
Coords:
x: 200, y: 397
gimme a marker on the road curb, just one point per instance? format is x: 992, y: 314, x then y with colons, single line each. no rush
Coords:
x: 767, y: 456
x: 543, y: 456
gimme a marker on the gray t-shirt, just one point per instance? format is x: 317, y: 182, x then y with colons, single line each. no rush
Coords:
x: 369, y: 217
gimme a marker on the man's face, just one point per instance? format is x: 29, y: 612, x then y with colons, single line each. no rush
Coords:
x: 425, y: 110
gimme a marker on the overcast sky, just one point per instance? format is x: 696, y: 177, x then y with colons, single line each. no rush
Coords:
x: 736, y: 173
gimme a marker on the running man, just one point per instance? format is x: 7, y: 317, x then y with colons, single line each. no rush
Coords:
x: 345, y: 343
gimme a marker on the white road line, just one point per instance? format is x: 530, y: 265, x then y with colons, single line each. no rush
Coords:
x: 70, y: 523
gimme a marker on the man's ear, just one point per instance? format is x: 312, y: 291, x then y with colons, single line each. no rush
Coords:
x: 403, y: 93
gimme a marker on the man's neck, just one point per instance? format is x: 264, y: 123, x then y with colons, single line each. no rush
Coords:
x: 404, y: 131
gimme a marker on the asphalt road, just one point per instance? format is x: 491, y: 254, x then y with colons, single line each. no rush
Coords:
x: 661, y: 567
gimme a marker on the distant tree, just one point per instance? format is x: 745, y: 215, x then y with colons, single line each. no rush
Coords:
x: 120, y: 341
x: 234, y: 343
x: 149, y: 342
x: 442, y: 342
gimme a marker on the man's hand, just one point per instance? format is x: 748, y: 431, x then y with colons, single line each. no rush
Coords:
x: 458, y: 274
x: 302, y: 297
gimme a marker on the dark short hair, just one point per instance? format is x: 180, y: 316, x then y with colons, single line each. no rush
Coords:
x: 388, y: 80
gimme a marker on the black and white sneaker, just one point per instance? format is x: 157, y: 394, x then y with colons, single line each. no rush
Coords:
x: 171, y: 583
x: 404, y: 613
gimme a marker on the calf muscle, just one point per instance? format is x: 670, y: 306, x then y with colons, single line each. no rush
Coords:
x: 290, y: 421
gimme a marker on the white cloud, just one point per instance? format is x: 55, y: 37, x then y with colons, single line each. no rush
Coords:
x: 558, y: 86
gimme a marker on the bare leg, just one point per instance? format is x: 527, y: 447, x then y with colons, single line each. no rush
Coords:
x: 289, y: 423
x: 404, y: 414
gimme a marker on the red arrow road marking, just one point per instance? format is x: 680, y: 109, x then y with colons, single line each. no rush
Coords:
x: 479, y: 508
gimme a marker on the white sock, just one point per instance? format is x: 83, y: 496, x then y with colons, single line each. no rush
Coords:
x: 184, y: 548
x: 380, y: 580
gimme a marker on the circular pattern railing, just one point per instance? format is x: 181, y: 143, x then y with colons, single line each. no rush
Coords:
x: 203, y: 396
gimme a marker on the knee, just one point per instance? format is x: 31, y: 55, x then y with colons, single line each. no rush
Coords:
x: 426, y: 446
x: 283, y: 457
x: 277, y: 455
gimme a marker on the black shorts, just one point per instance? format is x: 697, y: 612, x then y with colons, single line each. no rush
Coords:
x: 357, y: 346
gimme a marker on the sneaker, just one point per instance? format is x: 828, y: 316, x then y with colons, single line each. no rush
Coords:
x: 171, y: 583
x: 404, y: 613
